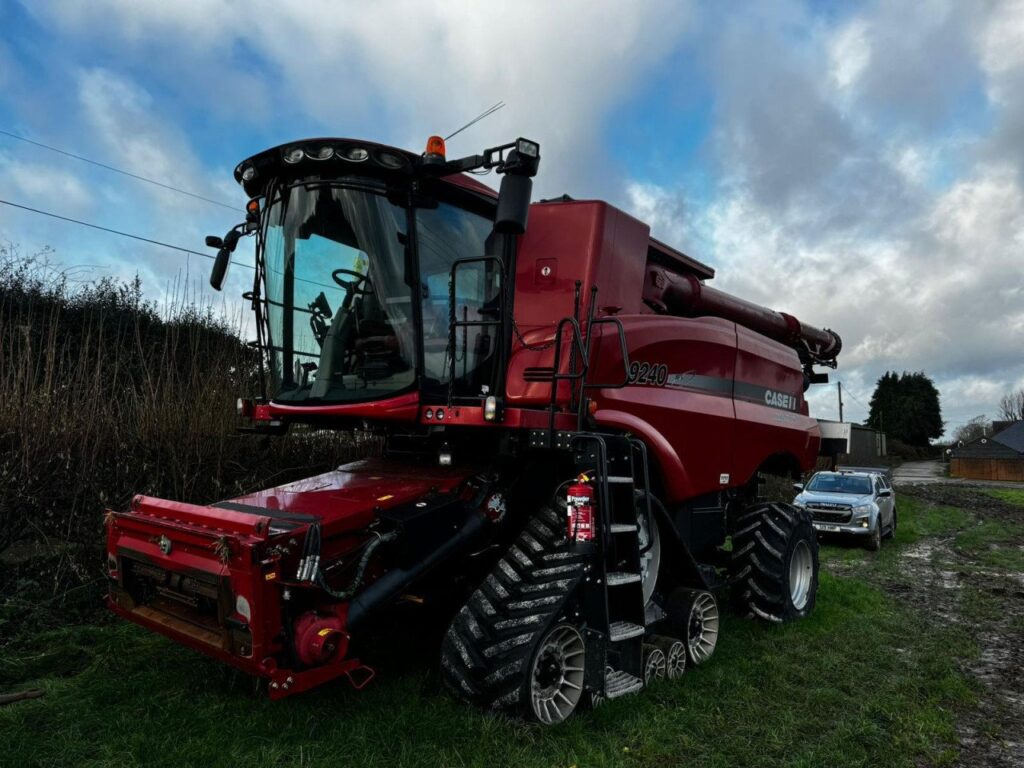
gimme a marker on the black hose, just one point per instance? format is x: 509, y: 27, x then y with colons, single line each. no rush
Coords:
x: 357, y: 580
x: 397, y: 579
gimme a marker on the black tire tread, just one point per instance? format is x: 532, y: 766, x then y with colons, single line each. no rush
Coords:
x: 759, y: 567
x: 487, y: 649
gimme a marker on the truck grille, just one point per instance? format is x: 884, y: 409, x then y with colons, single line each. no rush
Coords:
x: 830, y: 513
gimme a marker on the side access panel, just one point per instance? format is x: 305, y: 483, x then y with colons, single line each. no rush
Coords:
x: 771, y: 413
x: 679, y: 399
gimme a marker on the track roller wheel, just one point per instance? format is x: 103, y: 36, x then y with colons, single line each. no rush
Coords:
x: 774, y: 564
x: 675, y: 655
x: 694, y: 615
x: 655, y: 663
x: 556, y: 675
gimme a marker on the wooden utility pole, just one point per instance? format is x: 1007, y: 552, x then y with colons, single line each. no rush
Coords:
x: 839, y: 391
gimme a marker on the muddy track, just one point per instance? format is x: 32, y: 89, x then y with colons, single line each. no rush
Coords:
x: 934, y: 577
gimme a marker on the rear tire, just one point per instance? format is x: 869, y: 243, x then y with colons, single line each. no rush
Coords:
x: 774, y: 564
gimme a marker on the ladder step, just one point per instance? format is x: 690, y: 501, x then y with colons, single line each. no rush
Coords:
x: 623, y: 630
x: 616, y: 579
x: 623, y: 528
x: 619, y: 479
x: 620, y: 683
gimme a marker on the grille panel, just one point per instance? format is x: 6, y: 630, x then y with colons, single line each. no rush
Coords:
x: 830, y: 513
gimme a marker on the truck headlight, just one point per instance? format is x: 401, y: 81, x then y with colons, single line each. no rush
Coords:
x: 863, y: 510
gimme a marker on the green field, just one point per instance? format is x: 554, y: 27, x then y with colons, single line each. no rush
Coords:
x: 868, y: 680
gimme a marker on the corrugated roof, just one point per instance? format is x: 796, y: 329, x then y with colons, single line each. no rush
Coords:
x: 1012, y: 437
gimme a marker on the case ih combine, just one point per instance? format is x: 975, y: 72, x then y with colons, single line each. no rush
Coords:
x: 575, y: 426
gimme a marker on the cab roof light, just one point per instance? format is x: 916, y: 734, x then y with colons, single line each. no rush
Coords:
x: 435, y: 148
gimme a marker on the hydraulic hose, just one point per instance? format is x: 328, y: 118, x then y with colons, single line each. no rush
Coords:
x: 357, y: 580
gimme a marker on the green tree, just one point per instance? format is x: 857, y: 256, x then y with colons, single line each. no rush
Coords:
x: 906, y: 407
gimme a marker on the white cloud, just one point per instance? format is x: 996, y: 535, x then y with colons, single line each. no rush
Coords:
x: 399, y: 71
x: 661, y: 208
x: 44, y: 186
x: 849, y: 53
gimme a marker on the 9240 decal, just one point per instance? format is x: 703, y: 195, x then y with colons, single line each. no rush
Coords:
x: 652, y: 374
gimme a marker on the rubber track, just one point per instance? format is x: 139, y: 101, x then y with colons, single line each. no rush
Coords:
x: 763, y: 533
x: 488, y: 646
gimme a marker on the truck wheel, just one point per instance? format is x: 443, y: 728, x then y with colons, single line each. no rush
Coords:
x: 774, y: 563
x: 693, y: 614
x: 874, y: 542
x: 506, y: 634
x: 891, y: 533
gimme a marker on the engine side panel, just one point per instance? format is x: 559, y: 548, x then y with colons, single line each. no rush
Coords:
x: 679, y: 397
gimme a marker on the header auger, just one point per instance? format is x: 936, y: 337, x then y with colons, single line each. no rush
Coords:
x: 575, y: 425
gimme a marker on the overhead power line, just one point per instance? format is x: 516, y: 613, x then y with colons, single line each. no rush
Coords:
x: 118, y: 170
x: 115, y: 231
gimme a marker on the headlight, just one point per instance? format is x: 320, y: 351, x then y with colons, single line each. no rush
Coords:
x: 323, y: 153
x: 862, y: 510
x: 355, y: 154
x: 294, y: 155
x: 799, y: 503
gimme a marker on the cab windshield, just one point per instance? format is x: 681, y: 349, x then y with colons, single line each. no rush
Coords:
x: 338, y: 310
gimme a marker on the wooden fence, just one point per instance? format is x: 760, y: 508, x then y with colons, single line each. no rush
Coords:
x: 988, y: 469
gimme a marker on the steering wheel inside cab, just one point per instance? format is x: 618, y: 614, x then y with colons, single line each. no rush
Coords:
x: 361, y: 286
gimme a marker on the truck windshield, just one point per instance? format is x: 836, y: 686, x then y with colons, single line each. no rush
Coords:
x: 338, y: 311
x: 828, y: 483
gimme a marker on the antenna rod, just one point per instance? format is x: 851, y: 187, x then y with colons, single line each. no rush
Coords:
x: 486, y: 113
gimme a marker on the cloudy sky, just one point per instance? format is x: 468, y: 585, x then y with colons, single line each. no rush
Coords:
x: 857, y: 164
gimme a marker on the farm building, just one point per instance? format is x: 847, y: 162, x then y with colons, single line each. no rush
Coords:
x: 999, y: 457
x: 845, y: 443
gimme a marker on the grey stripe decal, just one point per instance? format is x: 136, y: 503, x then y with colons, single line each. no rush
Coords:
x: 740, y: 390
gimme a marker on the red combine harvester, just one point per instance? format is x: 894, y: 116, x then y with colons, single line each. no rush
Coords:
x: 575, y: 426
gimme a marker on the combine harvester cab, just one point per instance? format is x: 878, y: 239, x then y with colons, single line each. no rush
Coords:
x: 575, y: 425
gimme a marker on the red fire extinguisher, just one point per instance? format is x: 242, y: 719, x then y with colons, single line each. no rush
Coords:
x: 579, y: 509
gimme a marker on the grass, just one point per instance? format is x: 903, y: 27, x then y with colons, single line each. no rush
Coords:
x: 864, y: 681
x: 1009, y: 495
x: 994, y: 543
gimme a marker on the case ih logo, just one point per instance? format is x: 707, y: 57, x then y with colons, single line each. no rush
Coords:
x: 780, y: 400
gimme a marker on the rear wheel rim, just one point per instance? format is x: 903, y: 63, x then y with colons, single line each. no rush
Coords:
x: 702, y: 628
x: 801, y: 571
x: 556, y: 675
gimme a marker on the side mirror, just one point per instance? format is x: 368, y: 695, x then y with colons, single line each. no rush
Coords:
x: 513, y: 204
x: 798, y: 487
x: 220, y: 264
x: 220, y: 268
